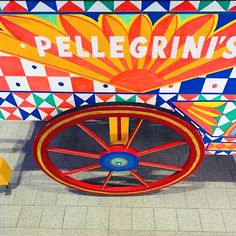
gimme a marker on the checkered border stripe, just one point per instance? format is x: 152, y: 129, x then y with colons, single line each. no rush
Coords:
x: 26, y: 76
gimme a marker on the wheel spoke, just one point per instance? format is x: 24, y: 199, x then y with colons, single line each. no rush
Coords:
x: 107, y: 179
x: 93, y: 135
x: 162, y: 166
x: 161, y: 147
x: 133, y: 134
x: 82, y: 169
x: 73, y: 152
x: 137, y: 176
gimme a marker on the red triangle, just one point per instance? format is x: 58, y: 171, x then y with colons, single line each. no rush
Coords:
x: 105, y: 97
x: 14, y: 7
x: 127, y: 6
x: 22, y: 95
x: 146, y: 97
x: 188, y: 97
x: 230, y: 97
x: 185, y: 6
x: 233, y: 8
x: 70, y: 7
x: 13, y: 117
x: 11, y: 110
x: 25, y: 103
x: 48, y: 111
x: 64, y: 97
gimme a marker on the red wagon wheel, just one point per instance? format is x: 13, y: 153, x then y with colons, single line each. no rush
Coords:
x: 124, y: 160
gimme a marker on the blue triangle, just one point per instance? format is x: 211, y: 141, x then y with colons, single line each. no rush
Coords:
x: 78, y: 101
x: 165, y: 4
x: 206, y: 139
x: 160, y: 101
x: 33, y: 3
x: 36, y: 114
x: 1, y: 101
x: 91, y: 100
x: 24, y: 114
x: 146, y: 4
x: 10, y: 98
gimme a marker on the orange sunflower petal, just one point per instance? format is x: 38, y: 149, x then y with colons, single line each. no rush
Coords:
x: 113, y: 26
x: 140, y: 27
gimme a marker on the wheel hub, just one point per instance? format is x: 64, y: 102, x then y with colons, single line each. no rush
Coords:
x: 118, y: 161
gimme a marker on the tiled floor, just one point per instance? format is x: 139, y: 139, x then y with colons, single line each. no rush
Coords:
x: 204, y: 204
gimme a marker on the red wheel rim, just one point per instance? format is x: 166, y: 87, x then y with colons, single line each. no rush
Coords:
x: 42, y: 149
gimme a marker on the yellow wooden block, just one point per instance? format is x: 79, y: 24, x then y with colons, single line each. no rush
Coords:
x: 5, y: 172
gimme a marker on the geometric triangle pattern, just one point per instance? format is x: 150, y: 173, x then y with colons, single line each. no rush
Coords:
x: 43, y: 106
x: 116, y: 6
x: 216, y: 118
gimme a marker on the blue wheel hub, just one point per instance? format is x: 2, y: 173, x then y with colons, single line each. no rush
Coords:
x: 118, y: 161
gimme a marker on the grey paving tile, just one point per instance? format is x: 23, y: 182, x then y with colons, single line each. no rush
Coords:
x: 25, y: 195
x: 132, y: 201
x: 7, y: 196
x: 75, y: 217
x: 26, y: 129
x: 110, y: 201
x: 18, y: 232
x: 97, y: 218
x: 217, y: 198
x: 174, y: 198
x: 211, y: 220
x: 24, y: 177
x: 67, y: 199
x: 229, y: 217
x: 165, y: 219
x: 87, y: 232
x: 39, y: 177
x: 196, y: 198
x: 47, y: 232
x: 140, y: 233
x: 30, y: 217
x: 155, y: 200
x: 9, y: 216
x: 84, y: 200
x: 232, y: 197
x: 44, y: 198
x: 120, y: 218
x: 188, y: 220
x: 143, y: 219
x: 9, y: 129
x: 52, y: 217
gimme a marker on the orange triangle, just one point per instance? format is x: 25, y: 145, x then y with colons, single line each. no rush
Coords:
x: 25, y: 103
x: 13, y: 117
x: 146, y: 97
x: 230, y: 97
x: 105, y: 97
x: 189, y: 96
x: 64, y: 97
